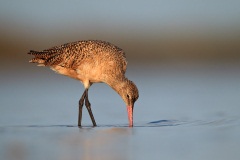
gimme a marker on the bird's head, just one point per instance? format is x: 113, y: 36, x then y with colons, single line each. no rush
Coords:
x: 129, y: 94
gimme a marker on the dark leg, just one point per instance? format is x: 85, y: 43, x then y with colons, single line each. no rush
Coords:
x: 80, y: 108
x: 88, y: 105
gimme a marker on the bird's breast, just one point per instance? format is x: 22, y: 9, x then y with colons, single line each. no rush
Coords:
x: 65, y: 71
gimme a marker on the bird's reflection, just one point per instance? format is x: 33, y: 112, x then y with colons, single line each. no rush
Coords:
x: 105, y: 143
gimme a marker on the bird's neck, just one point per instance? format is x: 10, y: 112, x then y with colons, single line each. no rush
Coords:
x: 118, y: 84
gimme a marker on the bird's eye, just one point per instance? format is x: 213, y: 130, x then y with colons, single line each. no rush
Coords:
x: 127, y: 96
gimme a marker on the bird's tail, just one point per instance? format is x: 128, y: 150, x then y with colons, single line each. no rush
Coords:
x: 44, y: 58
x: 38, y: 57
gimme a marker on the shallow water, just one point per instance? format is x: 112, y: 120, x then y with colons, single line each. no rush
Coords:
x: 168, y: 139
x: 184, y: 112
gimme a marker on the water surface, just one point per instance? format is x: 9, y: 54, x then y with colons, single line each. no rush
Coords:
x: 184, y: 112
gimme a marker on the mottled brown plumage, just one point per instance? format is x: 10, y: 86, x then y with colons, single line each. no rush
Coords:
x: 90, y: 62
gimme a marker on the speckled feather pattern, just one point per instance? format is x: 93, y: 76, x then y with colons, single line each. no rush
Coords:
x: 70, y: 54
x: 89, y: 61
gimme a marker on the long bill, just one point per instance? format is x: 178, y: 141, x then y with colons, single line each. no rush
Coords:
x: 130, y: 115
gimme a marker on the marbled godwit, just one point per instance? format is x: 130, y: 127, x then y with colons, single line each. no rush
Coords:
x: 91, y: 62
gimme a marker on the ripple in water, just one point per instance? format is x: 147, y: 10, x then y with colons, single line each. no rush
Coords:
x: 234, y: 121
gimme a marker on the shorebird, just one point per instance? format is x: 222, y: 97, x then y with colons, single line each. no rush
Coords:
x: 91, y: 61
